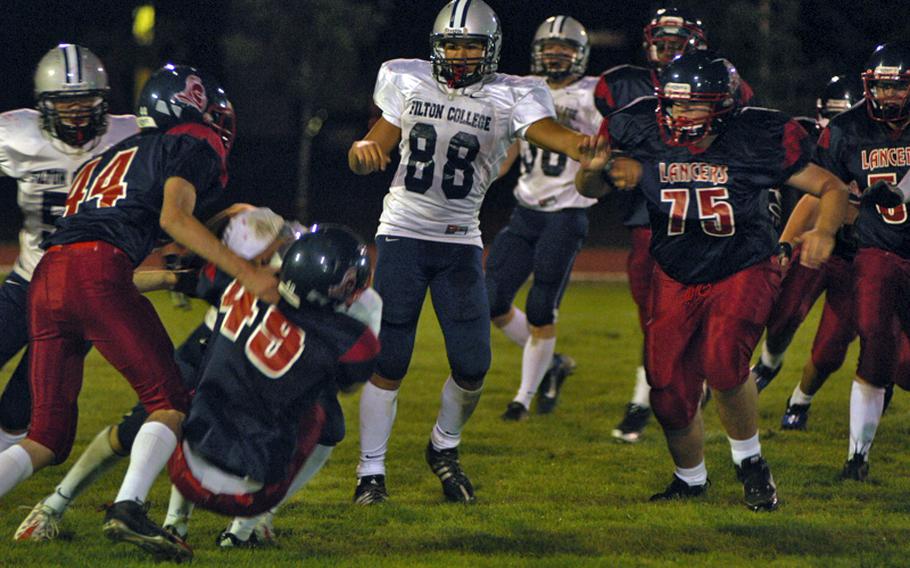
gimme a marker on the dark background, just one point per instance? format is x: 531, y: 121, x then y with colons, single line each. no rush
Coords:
x: 300, y: 73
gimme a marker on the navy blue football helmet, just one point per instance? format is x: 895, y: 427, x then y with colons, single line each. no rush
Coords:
x: 672, y: 32
x: 886, y: 83
x: 695, y: 78
x: 177, y: 94
x: 325, y: 267
x: 840, y: 94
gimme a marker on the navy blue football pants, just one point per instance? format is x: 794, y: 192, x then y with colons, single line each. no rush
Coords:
x: 405, y: 269
x: 538, y: 242
x: 16, y: 401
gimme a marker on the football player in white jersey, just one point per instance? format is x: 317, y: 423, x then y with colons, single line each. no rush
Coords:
x: 549, y: 222
x: 42, y: 148
x: 453, y: 119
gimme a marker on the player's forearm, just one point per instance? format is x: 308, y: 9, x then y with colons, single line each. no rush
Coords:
x: 832, y: 206
x: 801, y: 220
x: 151, y: 280
x: 189, y: 232
x: 590, y: 183
x: 550, y: 135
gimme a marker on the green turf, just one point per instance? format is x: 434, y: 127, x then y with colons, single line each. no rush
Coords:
x: 553, y: 491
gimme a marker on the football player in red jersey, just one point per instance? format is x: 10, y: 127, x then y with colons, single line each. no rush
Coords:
x: 670, y: 32
x: 868, y: 145
x: 803, y: 286
x: 119, y: 204
x: 42, y: 148
x: 704, y: 166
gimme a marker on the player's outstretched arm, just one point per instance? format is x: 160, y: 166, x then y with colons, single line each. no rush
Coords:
x: 372, y: 153
x: 177, y: 221
x: 818, y: 243
x: 801, y: 220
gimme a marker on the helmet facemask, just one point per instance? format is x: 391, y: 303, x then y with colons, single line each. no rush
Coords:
x: 458, y: 72
x: 76, y: 118
x: 887, y: 94
x: 557, y: 59
x: 220, y: 117
x: 688, y: 131
x: 669, y: 37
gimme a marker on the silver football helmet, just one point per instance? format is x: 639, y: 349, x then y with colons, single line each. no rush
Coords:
x: 465, y: 20
x: 66, y: 76
x: 567, y: 31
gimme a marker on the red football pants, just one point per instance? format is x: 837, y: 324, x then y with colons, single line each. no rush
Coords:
x: 84, y: 292
x: 883, y: 317
x: 249, y: 504
x: 639, y: 267
x: 701, y: 332
x: 799, y: 291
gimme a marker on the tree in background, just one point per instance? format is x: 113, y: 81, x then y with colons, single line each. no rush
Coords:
x: 297, y: 63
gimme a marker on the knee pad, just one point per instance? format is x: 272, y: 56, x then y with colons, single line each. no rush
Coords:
x: 542, y: 303
x: 129, y: 426
x: 397, y: 347
x: 16, y: 401
x: 672, y: 408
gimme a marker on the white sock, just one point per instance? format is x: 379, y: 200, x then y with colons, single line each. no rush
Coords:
x: 242, y: 527
x: 97, y: 458
x: 7, y: 439
x: 179, y: 509
x: 799, y: 397
x: 377, y: 415
x: 153, y: 446
x: 742, y: 449
x: 866, y: 403
x: 457, y: 406
x: 517, y: 328
x: 693, y: 476
x: 15, y: 467
x: 642, y: 394
x: 771, y: 360
x: 535, y: 360
x: 311, y: 467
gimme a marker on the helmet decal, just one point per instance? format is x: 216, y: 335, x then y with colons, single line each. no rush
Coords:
x: 194, y: 93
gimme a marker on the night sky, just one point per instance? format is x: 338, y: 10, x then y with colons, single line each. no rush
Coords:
x: 811, y: 40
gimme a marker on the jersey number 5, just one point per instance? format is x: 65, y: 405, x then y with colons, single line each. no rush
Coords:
x: 462, y: 151
x: 274, y: 345
x: 716, y: 215
x: 895, y: 216
x: 108, y: 187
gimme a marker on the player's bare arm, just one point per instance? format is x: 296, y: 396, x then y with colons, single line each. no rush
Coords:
x: 177, y: 220
x: 511, y: 156
x: 153, y: 280
x: 373, y: 152
x: 818, y: 243
x: 597, y: 161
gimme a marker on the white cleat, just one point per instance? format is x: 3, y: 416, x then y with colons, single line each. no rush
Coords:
x: 41, y: 524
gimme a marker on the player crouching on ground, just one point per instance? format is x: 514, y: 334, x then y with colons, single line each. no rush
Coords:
x: 255, y: 234
x: 704, y: 166
x: 267, y: 391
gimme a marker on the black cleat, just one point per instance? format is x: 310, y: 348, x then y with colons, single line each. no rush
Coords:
x: 856, y: 468
x: 455, y: 483
x: 679, y: 489
x: 371, y: 490
x: 795, y: 417
x: 515, y: 412
x: 127, y: 521
x: 758, y: 484
x: 633, y: 423
x: 763, y: 374
x: 548, y: 392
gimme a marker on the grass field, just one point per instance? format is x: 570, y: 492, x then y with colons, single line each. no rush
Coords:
x: 553, y: 491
